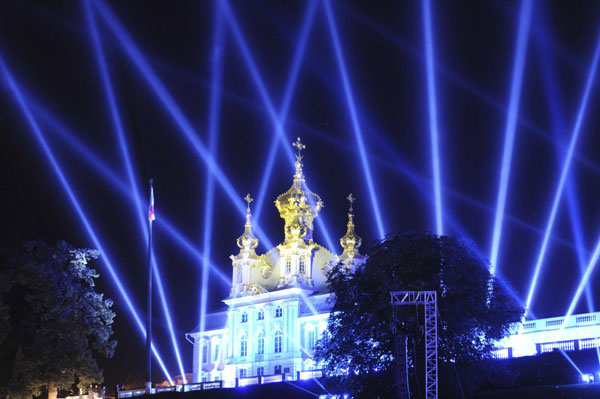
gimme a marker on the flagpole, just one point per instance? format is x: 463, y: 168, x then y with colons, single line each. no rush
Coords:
x: 149, y: 317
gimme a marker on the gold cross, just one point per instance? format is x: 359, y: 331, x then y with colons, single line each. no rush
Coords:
x: 350, y: 199
x: 300, y: 146
x: 248, y: 199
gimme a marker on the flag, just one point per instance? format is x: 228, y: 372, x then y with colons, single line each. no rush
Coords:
x: 151, y: 215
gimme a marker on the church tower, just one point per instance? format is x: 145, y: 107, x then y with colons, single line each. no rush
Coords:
x: 246, y: 258
x: 350, y: 242
x: 298, y: 207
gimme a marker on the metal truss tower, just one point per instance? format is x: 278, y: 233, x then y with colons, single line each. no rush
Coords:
x: 429, y: 300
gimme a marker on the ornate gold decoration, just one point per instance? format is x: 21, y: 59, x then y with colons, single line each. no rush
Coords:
x: 298, y: 206
x: 350, y: 241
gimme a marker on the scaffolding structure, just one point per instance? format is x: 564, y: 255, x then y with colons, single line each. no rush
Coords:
x: 429, y: 300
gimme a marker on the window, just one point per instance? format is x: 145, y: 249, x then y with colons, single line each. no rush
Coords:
x: 278, y: 369
x: 244, y: 317
x: 311, y: 339
x: 242, y: 373
x: 204, y: 353
x: 260, y: 371
x: 216, y: 355
x: 203, y: 379
x: 278, y: 311
x: 261, y: 314
x: 260, y: 347
x: 302, y: 267
x: 288, y: 265
x: 277, y: 346
x: 244, y: 346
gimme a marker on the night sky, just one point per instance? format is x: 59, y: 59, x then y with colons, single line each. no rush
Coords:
x: 50, y: 53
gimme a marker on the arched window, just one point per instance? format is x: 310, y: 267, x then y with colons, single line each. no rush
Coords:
x: 244, y: 317
x: 239, y: 275
x: 288, y: 265
x: 278, y: 311
x: 261, y: 314
x: 205, y: 353
x: 302, y: 267
x: 277, y: 369
x: 244, y: 346
x: 260, y: 344
x: 277, y: 342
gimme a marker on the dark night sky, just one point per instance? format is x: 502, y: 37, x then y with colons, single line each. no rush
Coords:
x: 49, y: 51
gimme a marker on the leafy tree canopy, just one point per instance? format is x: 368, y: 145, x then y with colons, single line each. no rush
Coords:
x: 52, y: 322
x: 358, y: 347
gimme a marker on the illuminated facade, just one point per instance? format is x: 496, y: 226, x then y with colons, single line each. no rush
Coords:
x: 278, y: 305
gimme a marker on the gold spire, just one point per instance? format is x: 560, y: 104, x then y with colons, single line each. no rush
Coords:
x: 247, y: 241
x: 350, y: 241
x: 298, y: 206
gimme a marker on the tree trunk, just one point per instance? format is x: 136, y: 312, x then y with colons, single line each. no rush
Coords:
x: 52, y: 391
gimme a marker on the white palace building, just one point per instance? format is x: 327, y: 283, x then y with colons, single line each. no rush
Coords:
x: 278, y: 305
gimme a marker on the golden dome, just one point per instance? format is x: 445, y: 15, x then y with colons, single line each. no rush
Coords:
x: 298, y: 206
x: 247, y: 241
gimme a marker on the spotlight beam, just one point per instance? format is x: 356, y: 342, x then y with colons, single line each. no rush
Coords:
x: 509, y: 134
x: 285, y: 104
x: 87, y: 156
x: 584, y: 281
x: 131, y: 175
x: 165, y: 98
x: 213, y: 131
x: 37, y: 132
x: 433, y: 117
x: 354, y: 116
x: 564, y: 173
x: 571, y: 362
x: 277, y: 124
x: 555, y: 108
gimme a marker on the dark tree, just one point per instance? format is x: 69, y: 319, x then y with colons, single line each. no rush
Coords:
x: 53, y: 325
x: 358, y: 347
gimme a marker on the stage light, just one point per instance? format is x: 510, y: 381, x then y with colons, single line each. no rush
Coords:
x: 354, y: 117
x: 433, y: 122
x: 509, y: 134
x: 563, y: 175
x: 131, y: 175
x: 37, y: 132
x: 165, y: 98
x: 213, y: 131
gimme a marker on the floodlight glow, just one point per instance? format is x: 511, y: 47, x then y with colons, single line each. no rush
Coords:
x: 213, y: 130
x: 354, y: 117
x: 131, y: 175
x: 509, y: 134
x: 285, y: 104
x: 37, y: 132
x: 564, y: 173
x: 433, y: 122
x: 163, y: 95
x: 278, y: 127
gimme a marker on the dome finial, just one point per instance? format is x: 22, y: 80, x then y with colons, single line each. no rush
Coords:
x: 247, y: 241
x: 350, y: 241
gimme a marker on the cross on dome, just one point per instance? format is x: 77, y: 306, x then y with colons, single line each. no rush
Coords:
x: 300, y: 146
x: 248, y: 200
x: 351, y: 200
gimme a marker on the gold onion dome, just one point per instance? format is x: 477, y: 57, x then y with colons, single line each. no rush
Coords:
x: 298, y: 206
x: 350, y: 241
x: 247, y: 241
